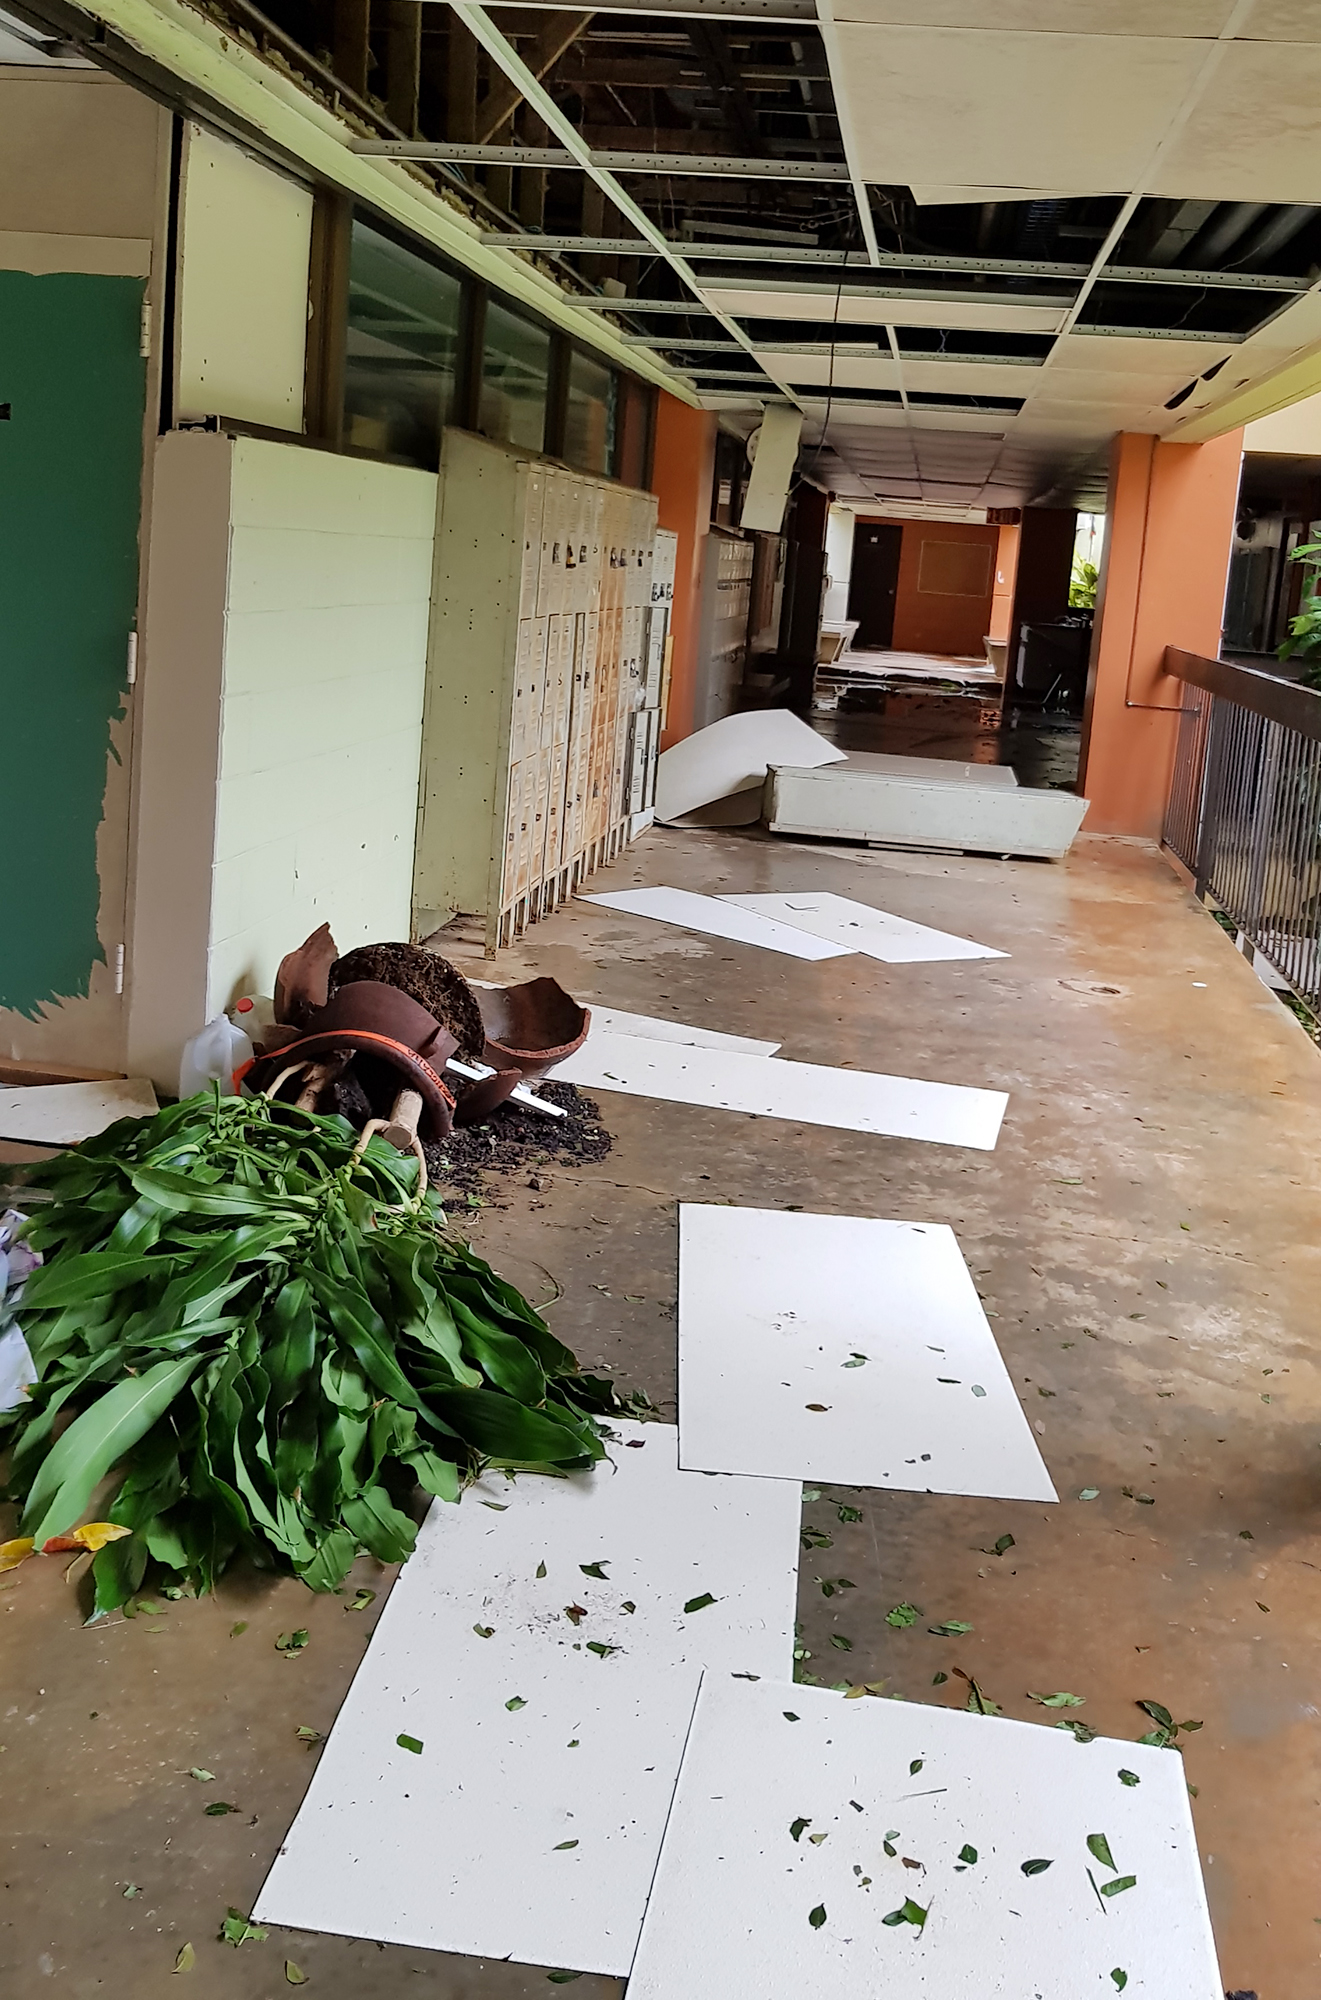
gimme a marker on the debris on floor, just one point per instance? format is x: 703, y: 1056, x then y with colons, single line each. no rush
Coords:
x: 263, y: 1322
x: 731, y: 757
x: 514, y: 1140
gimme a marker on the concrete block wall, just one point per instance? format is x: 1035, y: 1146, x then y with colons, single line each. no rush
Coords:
x: 285, y: 658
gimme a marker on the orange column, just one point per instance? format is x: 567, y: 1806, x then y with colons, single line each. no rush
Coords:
x: 1006, y: 578
x: 682, y: 468
x: 1169, y: 525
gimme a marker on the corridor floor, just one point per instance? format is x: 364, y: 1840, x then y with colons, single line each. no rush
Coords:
x: 1146, y: 1238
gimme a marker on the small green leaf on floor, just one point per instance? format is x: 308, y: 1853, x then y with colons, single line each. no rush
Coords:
x: 294, y: 1974
x: 1098, y: 1845
x: 601, y: 1650
x: 841, y: 1644
x: 628, y: 1606
x: 306, y: 1735
x: 562, y: 1978
x: 789, y: 1715
x: 847, y: 1514
x: 855, y: 1361
x: 1002, y: 1546
x: 968, y: 1855
x: 514, y: 1703
x: 413, y: 1743
x: 817, y: 1838
x: 1090, y: 1493
x: 595, y: 1569
x: 361, y: 1599
x: 698, y: 1603
x: 1120, y: 1978
x: 541, y: 1569
x: 1118, y: 1886
x: 186, y: 1959
x: 237, y: 1631
x: 938, y: 1680
x: 496, y: 1506
x: 131, y: 1890
x: 977, y: 1389
x: 820, y: 1408
x: 1057, y: 1700
x: 484, y: 1631
x: 1037, y: 1867
x: 237, y: 1930
x: 220, y: 1808
x: 903, y: 1614
x: 1158, y: 1713
x: 817, y: 1916
x: 563, y: 1846
x: 916, y: 1766
x: 1129, y: 1778
x: 952, y: 1628
x: 202, y: 1777
x: 1246, y: 1535
x: 908, y: 1912
x: 797, y: 1828
x: 575, y: 1613
x: 1078, y: 1730
x: 1261, y: 1606
x: 292, y: 1642
x: 811, y: 1493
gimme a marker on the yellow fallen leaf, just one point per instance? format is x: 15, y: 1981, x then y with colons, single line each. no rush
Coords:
x: 14, y: 1553
x: 186, y: 1960
x: 95, y: 1534
x: 294, y: 1974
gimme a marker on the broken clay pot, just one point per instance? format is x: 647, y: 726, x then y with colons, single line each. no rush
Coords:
x: 395, y: 1045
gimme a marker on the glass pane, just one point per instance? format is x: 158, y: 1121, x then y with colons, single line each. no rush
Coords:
x: 402, y: 351
x: 633, y: 428
x: 589, y: 421
x: 515, y: 370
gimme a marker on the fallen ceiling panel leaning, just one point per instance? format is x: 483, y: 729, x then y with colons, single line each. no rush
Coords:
x: 733, y: 755
x: 717, y: 919
x: 841, y: 1348
x: 962, y: 1854
x: 498, y: 1778
x: 850, y: 1100
x: 858, y: 927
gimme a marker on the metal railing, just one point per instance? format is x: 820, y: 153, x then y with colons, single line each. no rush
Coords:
x: 1244, y: 808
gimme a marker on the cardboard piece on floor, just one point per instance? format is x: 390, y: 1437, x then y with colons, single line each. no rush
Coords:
x: 61, y: 1114
x: 859, y: 927
x: 733, y: 755
x: 717, y: 919
x: 782, y: 1917
x: 839, y: 1348
x: 528, y: 1823
x: 900, y: 1107
x: 614, y: 1021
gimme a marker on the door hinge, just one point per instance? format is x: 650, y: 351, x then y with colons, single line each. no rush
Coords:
x: 144, y: 329
x: 119, y: 968
x: 132, y: 659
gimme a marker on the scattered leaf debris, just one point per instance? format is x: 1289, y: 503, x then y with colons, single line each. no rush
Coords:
x: 698, y: 1603
x: 292, y: 1642
x: 903, y: 1614
x: 185, y: 1959
x: 817, y: 1916
x: 1037, y: 1867
x: 237, y: 1930
x: 413, y: 1743
x: 1061, y: 1700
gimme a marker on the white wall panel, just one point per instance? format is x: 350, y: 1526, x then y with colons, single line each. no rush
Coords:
x: 245, y: 237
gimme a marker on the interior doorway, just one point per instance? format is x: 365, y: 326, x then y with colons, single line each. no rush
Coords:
x: 874, y: 581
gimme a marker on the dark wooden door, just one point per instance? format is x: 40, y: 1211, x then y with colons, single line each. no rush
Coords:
x: 874, y: 580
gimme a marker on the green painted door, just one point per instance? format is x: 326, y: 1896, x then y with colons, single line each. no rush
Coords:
x: 72, y: 383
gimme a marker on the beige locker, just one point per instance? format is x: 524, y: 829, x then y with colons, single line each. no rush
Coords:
x: 522, y: 773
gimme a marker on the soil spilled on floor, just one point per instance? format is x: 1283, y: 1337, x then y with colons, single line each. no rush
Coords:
x: 513, y: 1139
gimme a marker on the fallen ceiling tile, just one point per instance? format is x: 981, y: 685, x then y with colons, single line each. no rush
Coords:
x: 485, y: 1741
x: 875, y: 933
x: 845, y: 1349
x: 716, y: 919
x: 960, y: 1856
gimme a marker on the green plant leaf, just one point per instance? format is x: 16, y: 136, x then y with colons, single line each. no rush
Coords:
x: 73, y: 1281
x: 237, y: 1930
x: 515, y: 1703
x: 1058, y: 1700
x: 1118, y: 1886
x: 903, y: 1614
x: 908, y: 1912
x: 1035, y: 1867
x: 1098, y: 1845
x: 798, y: 1827
x: 294, y: 1976
x: 698, y: 1603
x: 817, y: 1917
x: 1129, y: 1778
x: 96, y: 1441
x: 1120, y: 1978
x: 951, y: 1629
x: 185, y: 1959
x: 292, y: 1642
x: 968, y: 1855
x: 413, y: 1743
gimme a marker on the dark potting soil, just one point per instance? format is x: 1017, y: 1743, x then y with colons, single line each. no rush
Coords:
x: 430, y: 980
x: 513, y: 1139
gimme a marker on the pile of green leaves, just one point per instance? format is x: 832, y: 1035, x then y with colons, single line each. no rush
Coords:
x: 275, y: 1346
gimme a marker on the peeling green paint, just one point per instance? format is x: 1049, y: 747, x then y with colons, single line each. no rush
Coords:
x: 70, y: 497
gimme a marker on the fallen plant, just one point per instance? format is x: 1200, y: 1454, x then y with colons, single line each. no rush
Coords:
x: 276, y: 1341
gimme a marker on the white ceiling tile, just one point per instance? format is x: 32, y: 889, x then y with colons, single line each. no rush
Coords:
x: 969, y: 378
x: 946, y: 197
x: 1254, y: 134
x: 955, y: 315
x: 1282, y: 21
x: 1113, y: 354
x: 1082, y: 112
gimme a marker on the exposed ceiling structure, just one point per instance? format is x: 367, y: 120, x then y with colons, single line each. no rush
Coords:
x: 971, y: 239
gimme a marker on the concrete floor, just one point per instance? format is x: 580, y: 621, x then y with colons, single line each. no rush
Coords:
x: 1146, y: 1237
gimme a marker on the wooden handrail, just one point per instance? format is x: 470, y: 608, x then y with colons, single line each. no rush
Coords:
x: 1294, y: 707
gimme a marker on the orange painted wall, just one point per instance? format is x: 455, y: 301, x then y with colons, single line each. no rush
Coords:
x: 927, y: 621
x: 682, y: 468
x: 1169, y: 524
x: 1006, y: 577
